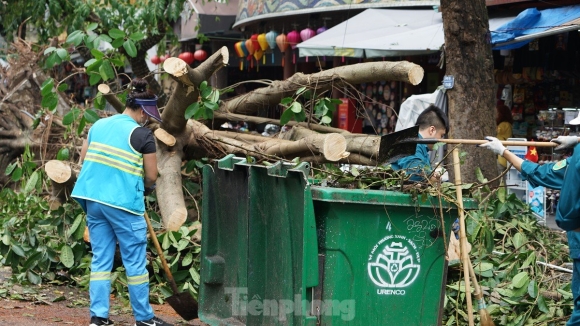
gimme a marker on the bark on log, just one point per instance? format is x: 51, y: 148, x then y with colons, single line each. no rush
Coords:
x: 364, y: 145
x: 171, y: 201
x: 63, y: 179
x: 367, y: 72
x: 246, y: 118
x: 187, y: 90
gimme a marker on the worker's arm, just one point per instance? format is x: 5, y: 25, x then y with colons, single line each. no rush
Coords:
x: 515, y: 160
x: 150, y: 166
x: 84, y: 150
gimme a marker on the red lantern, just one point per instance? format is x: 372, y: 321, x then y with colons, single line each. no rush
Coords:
x: 187, y: 57
x: 163, y: 58
x: 155, y: 60
x: 200, y: 55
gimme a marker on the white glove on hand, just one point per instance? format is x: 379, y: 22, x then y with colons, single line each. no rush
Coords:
x: 565, y: 142
x: 494, y: 145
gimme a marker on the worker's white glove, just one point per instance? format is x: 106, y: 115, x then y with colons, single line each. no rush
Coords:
x: 494, y: 145
x: 565, y: 142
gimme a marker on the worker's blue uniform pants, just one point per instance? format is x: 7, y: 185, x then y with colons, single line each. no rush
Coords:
x: 107, y: 225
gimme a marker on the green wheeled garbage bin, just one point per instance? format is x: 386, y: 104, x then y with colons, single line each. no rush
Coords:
x: 278, y: 250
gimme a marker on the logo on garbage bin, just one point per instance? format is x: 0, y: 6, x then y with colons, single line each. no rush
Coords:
x: 394, y: 264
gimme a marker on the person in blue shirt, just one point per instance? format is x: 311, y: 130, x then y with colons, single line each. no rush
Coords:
x: 565, y: 176
x: 119, y: 169
x: 433, y: 124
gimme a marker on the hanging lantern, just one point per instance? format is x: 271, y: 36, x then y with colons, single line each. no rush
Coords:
x: 263, y: 44
x: 271, y: 39
x: 240, y: 53
x: 293, y: 39
x: 163, y: 58
x: 200, y: 55
x: 321, y: 30
x: 255, y: 42
x: 258, y: 54
x: 187, y: 57
x: 244, y: 48
x: 250, y: 47
x: 306, y: 34
x: 155, y: 60
x: 282, y: 42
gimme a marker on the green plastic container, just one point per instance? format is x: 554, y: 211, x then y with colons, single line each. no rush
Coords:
x: 277, y: 250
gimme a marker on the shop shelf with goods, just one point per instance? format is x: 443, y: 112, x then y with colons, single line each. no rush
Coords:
x: 534, y: 197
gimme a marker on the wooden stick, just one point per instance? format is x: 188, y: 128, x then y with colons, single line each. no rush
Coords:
x: 480, y: 142
x: 462, y: 235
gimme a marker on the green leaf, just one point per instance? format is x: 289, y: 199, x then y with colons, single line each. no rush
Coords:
x: 518, y: 240
x: 287, y: 115
x: 138, y: 36
x: 62, y: 87
x: 106, y: 70
x: 63, y: 154
x: 50, y: 101
x: 75, y: 225
x: 326, y: 120
x: 300, y: 116
x: 10, y: 168
x: 191, y: 110
x: 286, y: 100
x: 17, y: 174
x: 520, y: 279
x: 17, y: 249
x: 62, y: 53
x: 542, y: 304
x: 66, y: 256
x: 75, y: 38
x: 91, y: 62
x: 92, y: 26
x: 80, y: 232
x: 211, y: 105
x: 118, y: 43
x: 533, y: 289
x: 187, y: 260
x: 296, y: 107
x: 97, y: 54
x: 94, y: 79
x: 115, y: 33
x: 53, y: 60
x: 91, y: 116
x: 49, y: 50
x: 47, y: 87
x: 33, y: 277
x: 82, y: 124
x: 300, y: 90
x: 194, y: 275
x: 69, y: 118
x: 129, y: 46
x: 31, y: 183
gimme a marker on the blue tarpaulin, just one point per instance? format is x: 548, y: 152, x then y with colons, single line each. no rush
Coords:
x: 532, y: 21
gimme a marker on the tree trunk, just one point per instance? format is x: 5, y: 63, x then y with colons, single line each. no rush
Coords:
x: 469, y: 60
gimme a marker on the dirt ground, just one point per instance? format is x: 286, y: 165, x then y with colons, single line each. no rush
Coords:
x: 64, y: 305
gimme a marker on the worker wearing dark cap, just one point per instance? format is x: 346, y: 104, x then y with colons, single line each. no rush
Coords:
x: 119, y: 169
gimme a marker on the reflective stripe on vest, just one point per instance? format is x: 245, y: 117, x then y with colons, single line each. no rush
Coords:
x: 115, y: 158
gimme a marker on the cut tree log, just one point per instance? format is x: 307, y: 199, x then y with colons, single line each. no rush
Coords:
x: 164, y: 137
x: 63, y: 179
x: 111, y: 98
x: 338, y: 77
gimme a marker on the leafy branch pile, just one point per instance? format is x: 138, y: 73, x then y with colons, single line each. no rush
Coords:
x: 43, y: 245
x: 510, y: 249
